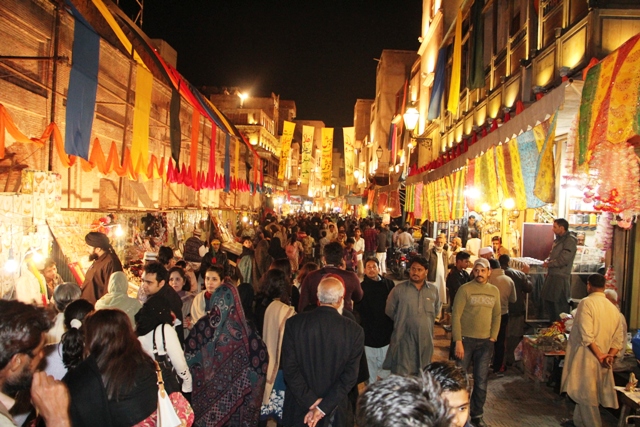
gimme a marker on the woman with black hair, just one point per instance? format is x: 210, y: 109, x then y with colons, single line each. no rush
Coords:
x: 116, y: 383
x: 67, y: 354
x: 181, y: 283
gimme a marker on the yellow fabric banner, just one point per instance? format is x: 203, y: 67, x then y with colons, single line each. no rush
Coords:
x: 285, y: 141
x: 307, y: 147
x: 141, y: 112
x: 456, y: 67
x: 545, y: 188
x: 349, y: 155
x: 485, y: 179
x: 108, y: 16
x: 327, y: 152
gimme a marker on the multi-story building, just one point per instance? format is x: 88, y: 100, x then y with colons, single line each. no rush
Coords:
x: 260, y: 120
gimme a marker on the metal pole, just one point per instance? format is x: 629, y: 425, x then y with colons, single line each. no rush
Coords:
x: 125, y: 125
x: 54, y: 81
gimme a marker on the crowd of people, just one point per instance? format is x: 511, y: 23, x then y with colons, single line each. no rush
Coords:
x: 286, y: 333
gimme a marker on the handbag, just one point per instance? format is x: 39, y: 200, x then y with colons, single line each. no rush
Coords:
x: 172, y: 382
x: 167, y: 416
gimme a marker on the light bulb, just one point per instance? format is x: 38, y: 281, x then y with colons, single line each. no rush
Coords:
x: 11, y: 265
x: 119, y: 232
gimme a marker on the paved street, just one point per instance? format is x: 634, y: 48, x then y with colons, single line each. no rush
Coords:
x: 515, y: 400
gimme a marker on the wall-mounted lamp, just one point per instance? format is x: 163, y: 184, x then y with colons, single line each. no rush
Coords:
x: 379, y: 152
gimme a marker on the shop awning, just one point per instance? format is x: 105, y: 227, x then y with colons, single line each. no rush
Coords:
x: 565, y: 99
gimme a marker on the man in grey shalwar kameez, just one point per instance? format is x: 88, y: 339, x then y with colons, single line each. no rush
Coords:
x: 413, y: 306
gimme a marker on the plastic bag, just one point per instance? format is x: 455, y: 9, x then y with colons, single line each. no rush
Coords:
x: 635, y: 345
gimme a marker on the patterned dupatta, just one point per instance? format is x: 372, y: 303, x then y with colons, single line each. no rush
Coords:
x: 228, y: 361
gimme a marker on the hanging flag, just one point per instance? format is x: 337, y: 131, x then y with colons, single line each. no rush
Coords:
x: 456, y: 67
x: 175, y: 133
x: 83, y: 86
x: 236, y: 165
x: 435, y: 103
x: 327, y: 152
x: 193, y: 157
x: 227, y: 163
x: 285, y: 142
x: 476, y: 65
x: 141, y: 113
x: 545, y: 188
x: 392, y: 146
x: 307, y: 147
x: 349, y: 155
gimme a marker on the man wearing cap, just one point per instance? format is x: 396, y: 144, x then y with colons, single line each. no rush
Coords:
x: 192, y: 247
x: 486, y: 253
x: 105, y: 262
x: 413, y: 306
x: 475, y: 323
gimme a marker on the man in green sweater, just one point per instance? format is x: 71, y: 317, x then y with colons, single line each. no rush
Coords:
x: 475, y: 324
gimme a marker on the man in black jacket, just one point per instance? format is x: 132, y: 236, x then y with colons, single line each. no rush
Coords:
x: 377, y: 326
x: 517, y: 310
x: 321, y: 353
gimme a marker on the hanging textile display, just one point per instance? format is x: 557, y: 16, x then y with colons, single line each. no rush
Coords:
x: 545, y: 188
x: 349, y: 137
x: 485, y: 180
x: 443, y: 199
x: 326, y: 160
x: 408, y: 199
x: 307, y: 147
x: 470, y: 197
x: 83, y: 86
x: 528, y: 153
x: 418, y: 202
x: 510, y: 173
x: 609, y: 109
x: 175, y: 132
x: 458, y: 180
x: 456, y: 67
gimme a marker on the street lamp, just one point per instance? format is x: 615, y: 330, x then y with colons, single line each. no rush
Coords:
x: 411, y: 117
x: 242, y: 97
x: 379, y: 152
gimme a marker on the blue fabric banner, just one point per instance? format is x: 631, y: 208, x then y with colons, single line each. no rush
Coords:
x: 83, y: 85
x: 529, y: 154
x: 227, y: 163
x: 435, y: 103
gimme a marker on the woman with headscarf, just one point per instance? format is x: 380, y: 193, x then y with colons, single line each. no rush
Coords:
x: 228, y: 361
x: 157, y: 336
x: 181, y: 283
x: 117, y: 297
x: 275, y: 249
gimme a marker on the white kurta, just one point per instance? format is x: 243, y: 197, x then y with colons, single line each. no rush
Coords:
x: 583, y: 378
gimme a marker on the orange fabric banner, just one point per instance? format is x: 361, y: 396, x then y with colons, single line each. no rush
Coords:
x: 193, y: 158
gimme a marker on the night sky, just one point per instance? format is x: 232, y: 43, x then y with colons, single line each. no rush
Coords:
x: 318, y: 53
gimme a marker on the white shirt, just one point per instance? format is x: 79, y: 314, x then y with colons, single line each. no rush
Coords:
x: 359, y: 246
x: 173, y: 350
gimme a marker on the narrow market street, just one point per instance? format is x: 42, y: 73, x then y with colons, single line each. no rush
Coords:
x: 515, y: 400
